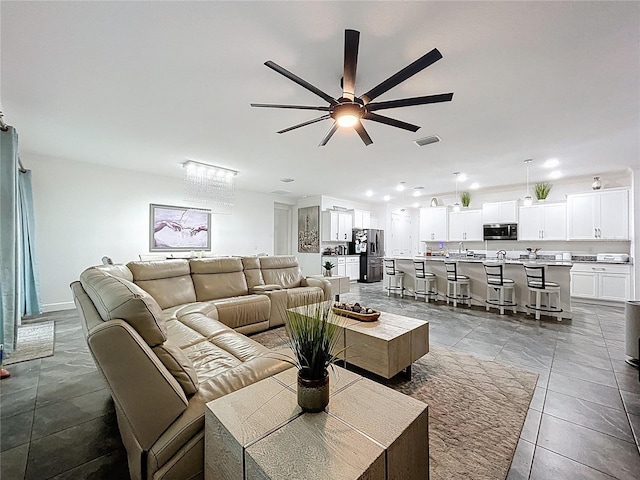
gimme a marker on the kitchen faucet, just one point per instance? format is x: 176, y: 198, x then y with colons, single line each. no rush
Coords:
x: 460, y: 247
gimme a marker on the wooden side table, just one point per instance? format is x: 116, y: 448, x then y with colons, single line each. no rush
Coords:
x: 339, y: 284
x: 367, y: 431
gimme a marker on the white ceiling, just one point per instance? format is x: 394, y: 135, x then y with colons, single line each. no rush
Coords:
x: 147, y: 85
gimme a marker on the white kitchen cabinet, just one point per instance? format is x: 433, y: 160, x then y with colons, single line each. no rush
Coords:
x: 341, y: 266
x: 433, y: 224
x: 601, y: 215
x: 337, y: 226
x: 465, y: 225
x: 352, y: 266
x: 601, y: 281
x: 543, y: 222
x: 500, y: 212
x: 361, y: 219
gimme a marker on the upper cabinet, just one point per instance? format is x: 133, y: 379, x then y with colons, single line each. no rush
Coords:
x: 337, y: 226
x: 500, y: 212
x: 543, y: 222
x: 361, y: 219
x: 465, y: 225
x: 601, y: 215
x: 433, y: 224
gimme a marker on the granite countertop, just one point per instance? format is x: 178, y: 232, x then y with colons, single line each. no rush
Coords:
x: 509, y: 261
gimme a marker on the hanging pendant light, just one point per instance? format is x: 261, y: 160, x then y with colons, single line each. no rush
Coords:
x: 456, y: 206
x: 528, y: 201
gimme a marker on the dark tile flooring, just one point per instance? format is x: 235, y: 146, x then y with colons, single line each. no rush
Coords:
x: 57, y: 418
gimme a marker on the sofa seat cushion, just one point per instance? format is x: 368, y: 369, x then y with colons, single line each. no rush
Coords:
x: 206, y: 308
x: 245, y: 310
x: 168, y: 281
x: 304, y: 296
x: 115, y: 297
x: 210, y: 360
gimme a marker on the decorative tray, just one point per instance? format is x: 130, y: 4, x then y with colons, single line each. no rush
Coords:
x: 363, y: 317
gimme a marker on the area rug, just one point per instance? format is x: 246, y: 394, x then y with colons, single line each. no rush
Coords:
x: 34, y: 341
x: 476, y: 409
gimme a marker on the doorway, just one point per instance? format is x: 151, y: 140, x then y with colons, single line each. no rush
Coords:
x: 282, y: 214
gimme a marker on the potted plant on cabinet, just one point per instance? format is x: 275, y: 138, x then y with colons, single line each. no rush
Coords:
x: 541, y: 190
x: 328, y: 266
x: 465, y: 198
x: 313, y: 333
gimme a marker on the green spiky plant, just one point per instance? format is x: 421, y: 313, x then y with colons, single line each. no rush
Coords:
x: 542, y: 189
x: 465, y: 199
x: 313, y: 333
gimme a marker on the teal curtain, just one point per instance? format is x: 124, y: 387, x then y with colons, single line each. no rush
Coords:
x: 9, y: 308
x: 29, y: 278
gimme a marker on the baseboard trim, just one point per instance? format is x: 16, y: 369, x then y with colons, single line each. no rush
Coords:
x: 54, y: 307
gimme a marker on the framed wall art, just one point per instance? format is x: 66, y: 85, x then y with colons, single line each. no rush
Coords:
x: 179, y: 228
x: 309, y: 230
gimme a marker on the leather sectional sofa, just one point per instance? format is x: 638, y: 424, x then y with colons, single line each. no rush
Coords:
x: 168, y: 337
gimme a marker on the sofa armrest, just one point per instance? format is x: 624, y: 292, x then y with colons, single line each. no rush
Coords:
x: 265, y: 288
x: 318, y: 282
x: 148, y: 395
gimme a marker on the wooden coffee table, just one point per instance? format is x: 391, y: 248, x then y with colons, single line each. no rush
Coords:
x: 367, y: 431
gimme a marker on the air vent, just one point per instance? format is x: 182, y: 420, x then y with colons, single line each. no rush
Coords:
x: 280, y: 192
x: 421, y: 142
x: 286, y: 180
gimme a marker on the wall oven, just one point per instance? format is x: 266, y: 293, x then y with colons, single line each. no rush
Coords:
x: 500, y: 231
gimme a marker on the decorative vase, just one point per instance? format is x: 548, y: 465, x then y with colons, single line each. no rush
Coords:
x: 327, y: 272
x: 313, y: 395
x: 597, y: 184
x: 532, y: 255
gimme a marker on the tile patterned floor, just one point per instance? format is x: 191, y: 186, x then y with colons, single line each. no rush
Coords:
x: 57, y: 418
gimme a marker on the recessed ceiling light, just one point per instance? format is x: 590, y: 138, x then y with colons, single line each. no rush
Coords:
x: 386, y: 198
x: 417, y: 193
x: 286, y: 180
x: 462, y: 177
x: 474, y: 186
x: 400, y: 186
x: 421, y: 142
x: 369, y: 193
x: 416, y: 205
x: 555, y: 174
x: 280, y: 192
x: 551, y: 163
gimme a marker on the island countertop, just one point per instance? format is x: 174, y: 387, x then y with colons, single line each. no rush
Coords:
x: 557, y: 271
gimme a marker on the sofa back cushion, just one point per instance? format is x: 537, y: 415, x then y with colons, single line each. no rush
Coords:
x: 168, y: 281
x: 179, y: 365
x: 115, y: 297
x: 281, y: 270
x: 252, y: 271
x: 215, y: 278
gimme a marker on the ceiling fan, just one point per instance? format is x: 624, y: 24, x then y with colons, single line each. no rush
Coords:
x: 349, y: 110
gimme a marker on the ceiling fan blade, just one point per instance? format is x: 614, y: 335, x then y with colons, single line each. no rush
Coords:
x: 304, y: 124
x: 390, y: 121
x: 300, y: 81
x: 407, y: 72
x: 408, y: 102
x: 329, y: 134
x: 363, y: 133
x: 297, y: 107
x: 351, y: 42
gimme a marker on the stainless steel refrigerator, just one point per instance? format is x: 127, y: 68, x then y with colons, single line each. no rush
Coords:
x: 369, y: 244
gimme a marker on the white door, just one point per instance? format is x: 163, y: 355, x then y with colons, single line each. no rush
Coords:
x: 584, y: 284
x: 613, y: 286
x: 456, y: 226
x: 581, y: 211
x: 282, y: 214
x: 614, y: 215
x: 400, y: 242
x: 473, y: 225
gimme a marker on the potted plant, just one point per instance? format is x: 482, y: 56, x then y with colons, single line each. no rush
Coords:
x: 541, y: 190
x: 313, y: 334
x: 465, y: 198
x: 328, y: 266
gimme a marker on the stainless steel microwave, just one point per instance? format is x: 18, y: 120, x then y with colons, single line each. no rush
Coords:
x: 500, y: 231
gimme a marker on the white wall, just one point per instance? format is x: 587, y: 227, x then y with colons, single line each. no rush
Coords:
x: 85, y: 211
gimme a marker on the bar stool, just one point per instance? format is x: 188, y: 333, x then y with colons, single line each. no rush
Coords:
x: 537, y: 284
x: 426, y: 278
x: 500, y: 285
x: 393, y: 276
x: 455, y: 284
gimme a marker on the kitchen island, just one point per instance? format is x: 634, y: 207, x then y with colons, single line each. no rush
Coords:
x: 556, y: 271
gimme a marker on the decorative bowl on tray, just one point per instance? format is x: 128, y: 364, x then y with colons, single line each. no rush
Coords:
x: 355, y: 311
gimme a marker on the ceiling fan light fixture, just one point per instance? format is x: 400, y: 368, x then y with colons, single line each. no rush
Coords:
x: 347, y: 120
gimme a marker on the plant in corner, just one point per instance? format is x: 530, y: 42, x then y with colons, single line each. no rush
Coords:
x: 541, y: 190
x: 313, y: 333
x: 465, y: 199
x: 328, y: 266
